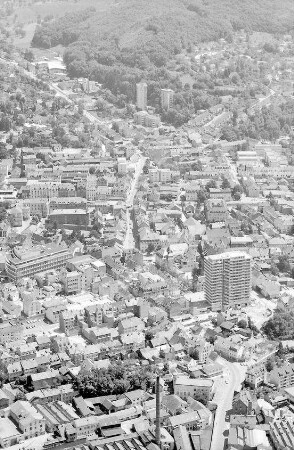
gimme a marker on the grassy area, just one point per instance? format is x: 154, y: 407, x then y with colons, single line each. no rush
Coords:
x: 24, y: 43
x: 48, y: 53
x: 28, y: 14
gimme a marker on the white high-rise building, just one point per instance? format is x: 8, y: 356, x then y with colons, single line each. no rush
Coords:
x: 167, y: 98
x: 141, y: 96
x: 227, y: 280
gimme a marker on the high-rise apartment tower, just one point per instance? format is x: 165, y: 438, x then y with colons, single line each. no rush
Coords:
x: 141, y: 96
x: 227, y: 280
x: 167, y: 98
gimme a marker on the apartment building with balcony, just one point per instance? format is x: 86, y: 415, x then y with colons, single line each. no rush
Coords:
x: 227, y: 280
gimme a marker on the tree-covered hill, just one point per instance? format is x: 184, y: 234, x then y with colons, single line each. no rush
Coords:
x: 141, y: 33
x: 170, y: 24
x: 131, y: 40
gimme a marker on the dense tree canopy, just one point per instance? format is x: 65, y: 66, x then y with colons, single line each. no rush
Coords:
x: 117, y: 379
x: 280, y: 326
x: 136, y: 40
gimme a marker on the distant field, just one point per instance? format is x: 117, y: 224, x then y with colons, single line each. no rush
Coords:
x: 29, y: 13
x: 48, y: 53
x: 24, y: 43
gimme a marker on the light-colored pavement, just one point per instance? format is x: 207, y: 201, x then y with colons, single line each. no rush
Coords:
x: 234, y: 375
x: 264, y: 101
x: 133, y: 190
x: 261, y: 309
x: 233, y: 170
x: 129, y: 242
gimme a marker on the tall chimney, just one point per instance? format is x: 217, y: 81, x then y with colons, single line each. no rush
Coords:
x: 157, y: 421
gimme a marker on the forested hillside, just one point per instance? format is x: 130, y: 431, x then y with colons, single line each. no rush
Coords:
x: 167, y: 24
x: 132, y: 40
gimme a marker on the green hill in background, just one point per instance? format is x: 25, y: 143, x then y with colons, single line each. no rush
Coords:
x: 130, y: 40
x: 170, y: 24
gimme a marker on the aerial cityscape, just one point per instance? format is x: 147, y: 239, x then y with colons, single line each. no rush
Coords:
x: 147, y: 224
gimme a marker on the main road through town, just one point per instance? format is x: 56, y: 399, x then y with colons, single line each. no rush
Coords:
x: 234, y: 376
x: 129, y: 243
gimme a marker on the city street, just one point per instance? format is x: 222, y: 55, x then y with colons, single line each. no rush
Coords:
x: 233, y: 170
x: 146, y: 201
x: 129, y: 242
x: 263, y: 101
x: 233, y: 373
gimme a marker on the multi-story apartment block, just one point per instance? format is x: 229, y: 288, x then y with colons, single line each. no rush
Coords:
x: 25, y: 262
x: 282, y: 433
x: 73, y: 282
x: 53, y: 308
x: 94, y: 315
x: 147, y: 120
x: 48, y: 190
x: 227, y: 280
x: 15, y: 216
x: 68, y: 322
x: 202, y: 350
x: 192, y: 190
x: 283, y: 376
x: 141, y: 97
x: 31, y: 304
x: 167, y: 98
x: 67, y: 203
x: 37, y: 206
x: 160, y: 175
x: 255, y: 375
x: 216, y: 210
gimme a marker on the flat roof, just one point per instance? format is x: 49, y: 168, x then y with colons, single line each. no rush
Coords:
x: 227, y: 255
